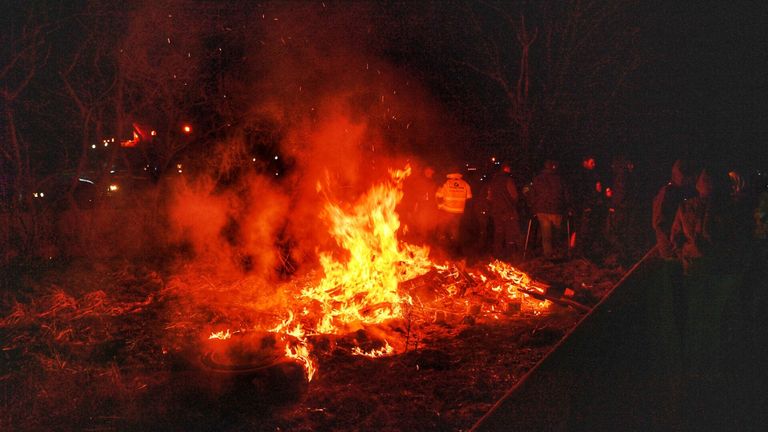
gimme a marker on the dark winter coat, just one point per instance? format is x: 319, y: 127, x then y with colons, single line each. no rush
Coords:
x: 703, y: 233
x: 585, y: 193
x: 502, y: 195
x: 548, y: 194
x: 665, y: 205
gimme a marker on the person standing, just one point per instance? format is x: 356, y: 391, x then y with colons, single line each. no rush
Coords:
x: 591, y: 210
x: 665, y: 205
x: 705, y: 236
x: 666, y: 202
x: 548, y: 203
x: 419, y: 206
x: 623, y: 202
x: 503, y: 201
x: 452, y: 199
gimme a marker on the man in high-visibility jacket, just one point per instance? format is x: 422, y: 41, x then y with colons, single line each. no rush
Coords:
x: 452, y: 198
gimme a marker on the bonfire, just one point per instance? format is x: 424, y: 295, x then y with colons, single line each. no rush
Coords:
x: 380, y: 323
x: 375, y: 281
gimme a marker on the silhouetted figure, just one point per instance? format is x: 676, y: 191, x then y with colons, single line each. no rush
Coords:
x: 623, y: 200
x: 548, y: 198
x: 503, y: 199
x: 666, y: 202
x: 591, y: 210
x: 708, y: 230
x: 705, y: 235
x: 481, y: 210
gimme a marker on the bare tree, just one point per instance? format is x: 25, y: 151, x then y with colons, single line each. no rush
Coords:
x: 561, y: 65
x: 24, y: 48
x: 24, y: 51
x: 161, y: 72
x: 90, y: 89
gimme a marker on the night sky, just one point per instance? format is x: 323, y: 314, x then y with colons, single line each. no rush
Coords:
x: 699, y: 91
x: 712, y: 74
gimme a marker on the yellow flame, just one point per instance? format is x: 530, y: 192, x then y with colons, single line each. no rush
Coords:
x: 515, y: 279
x: 221, y: 335
x: 298, y: 350
x: 364, y: 287
x: 360, y: 287
x: 381, y: 352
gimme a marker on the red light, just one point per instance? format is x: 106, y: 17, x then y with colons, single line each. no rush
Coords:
x: 187, y: 129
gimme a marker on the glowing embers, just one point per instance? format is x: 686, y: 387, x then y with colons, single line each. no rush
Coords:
x: 380, y: 352
x: 515, y: 285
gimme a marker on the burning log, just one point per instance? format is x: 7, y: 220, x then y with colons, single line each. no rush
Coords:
x: 426, y: 287
x: 556, y: 293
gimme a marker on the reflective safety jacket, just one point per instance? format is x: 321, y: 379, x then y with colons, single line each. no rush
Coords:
x: 452, y: 196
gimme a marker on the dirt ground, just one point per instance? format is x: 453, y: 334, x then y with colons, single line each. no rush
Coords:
x: 106, y: 346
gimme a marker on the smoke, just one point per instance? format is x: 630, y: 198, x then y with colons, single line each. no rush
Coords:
x: 335, y: 107
x: 234, y: 230
x: 347, y: 114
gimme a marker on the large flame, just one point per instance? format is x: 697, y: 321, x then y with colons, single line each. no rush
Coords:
x: 364, y: 288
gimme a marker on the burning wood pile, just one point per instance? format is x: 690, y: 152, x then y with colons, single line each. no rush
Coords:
x: 383, y: 286
x: 382, y: 337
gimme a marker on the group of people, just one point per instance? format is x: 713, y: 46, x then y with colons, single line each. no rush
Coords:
x: 707, y: 224
x: 701, y: 218
x: 580, y: 216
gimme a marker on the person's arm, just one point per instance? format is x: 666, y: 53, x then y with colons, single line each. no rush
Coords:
x: 676, y: 236
x: 512, y: 190
x: 657, y: 216
x: 657, y: 221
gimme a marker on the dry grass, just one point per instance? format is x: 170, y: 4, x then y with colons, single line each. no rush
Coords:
x: 108, y: 347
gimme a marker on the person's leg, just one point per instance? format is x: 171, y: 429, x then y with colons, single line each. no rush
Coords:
x: 583, y: 235
x: 545, y: 223
x: 498, y: 235
x: 556, y: 232
x: 512, y: 236
x: 454, y: 226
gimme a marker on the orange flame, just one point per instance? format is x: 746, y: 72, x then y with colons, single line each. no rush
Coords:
x: 381, y: 352
x: 221, y: 335
x: 363, y: 289
x: 300, y: 350
x: 515, y: 279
